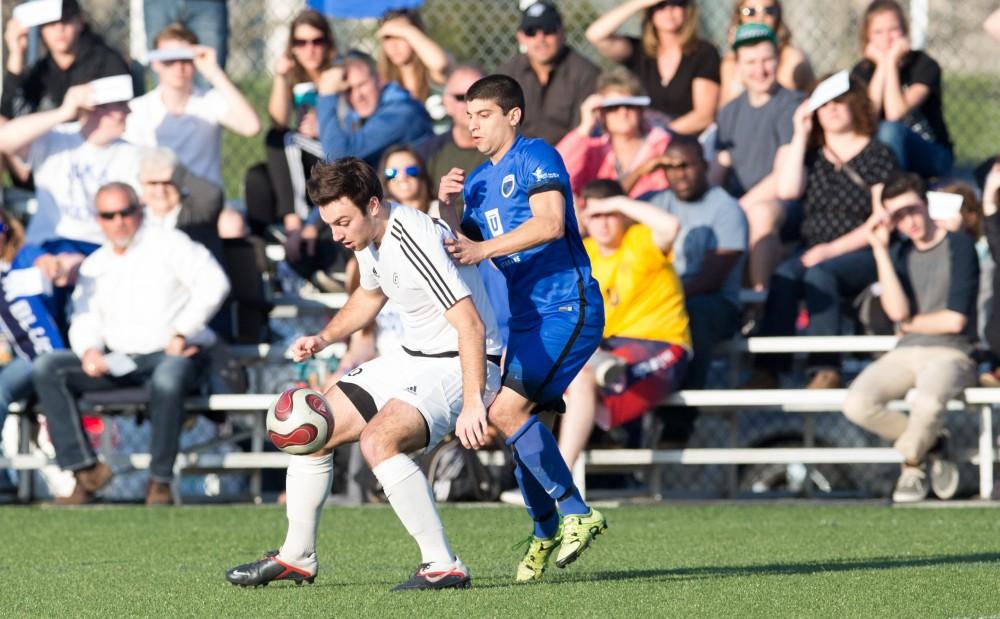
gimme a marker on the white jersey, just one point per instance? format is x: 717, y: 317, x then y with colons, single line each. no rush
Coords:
x: 415, y: 272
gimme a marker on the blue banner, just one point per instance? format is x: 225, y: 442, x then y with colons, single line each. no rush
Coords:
x: 354, y: 9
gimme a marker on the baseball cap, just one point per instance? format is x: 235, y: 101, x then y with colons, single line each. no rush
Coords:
x: 542, y: 16
x: 748, y: 34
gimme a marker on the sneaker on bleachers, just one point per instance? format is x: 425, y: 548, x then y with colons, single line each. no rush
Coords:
x: 943, y: 471
x: 825, y: 379
x: 911, y: 487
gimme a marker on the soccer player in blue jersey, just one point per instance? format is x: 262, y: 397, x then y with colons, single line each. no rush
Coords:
x: 519, y: 213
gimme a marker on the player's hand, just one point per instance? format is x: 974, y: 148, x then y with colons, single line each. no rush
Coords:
x: 307, y: 346
x: 472, y: 427
x: 331, y: 81
x: 451, y: 185
x: 464, y: 250
x: 93, y: 363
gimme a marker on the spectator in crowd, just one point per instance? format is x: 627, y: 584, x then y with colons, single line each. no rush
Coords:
x: 831, y: 165
x: 646, y: 345
x: 625, y: 144
x: 904, y: 86
x: 70, y: 162
x: 991, y: 228
x: 679, y: 70
x: 793, y: 71
x: 27, y: 322
x: 140, y: 309
x: 708, y: 253
x: 360, y: 115
x: 275, y: 190
x: 453, y: 148
x: 554, y: 76
x: 408, y: 56
x: 405, y: 180
x: 207, y: 19
x: 928, y: 282
x: 751, y: 129
x: 175, y: 198
x: 76, y: 55
x: 184, y: 117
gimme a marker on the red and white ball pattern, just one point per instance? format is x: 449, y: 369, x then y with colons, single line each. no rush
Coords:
x: 300, y: 421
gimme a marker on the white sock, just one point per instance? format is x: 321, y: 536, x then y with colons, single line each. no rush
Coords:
x: 410, y: 496
x: 307, y: 484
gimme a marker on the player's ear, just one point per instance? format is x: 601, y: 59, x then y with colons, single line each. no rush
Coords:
x: 514, y: 116
x: 374, y: 204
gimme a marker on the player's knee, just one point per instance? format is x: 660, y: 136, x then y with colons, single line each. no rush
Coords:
x: 375, y: 447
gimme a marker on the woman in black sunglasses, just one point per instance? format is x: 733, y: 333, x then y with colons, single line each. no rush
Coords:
x: 678, y: 69
x: 794, y: 70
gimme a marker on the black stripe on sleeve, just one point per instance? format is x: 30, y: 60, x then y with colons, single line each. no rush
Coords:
x: 424, y: 266
x: 553, y: 185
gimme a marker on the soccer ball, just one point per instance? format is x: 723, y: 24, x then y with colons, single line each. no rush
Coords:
x: 299, y: 422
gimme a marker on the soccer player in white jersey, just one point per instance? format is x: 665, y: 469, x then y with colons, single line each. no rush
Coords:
x: 442, y: 380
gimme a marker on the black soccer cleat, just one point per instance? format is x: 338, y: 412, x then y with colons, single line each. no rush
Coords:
x: 263, y: 571
x: 437, y: 576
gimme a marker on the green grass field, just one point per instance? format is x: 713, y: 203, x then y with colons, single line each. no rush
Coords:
x: 745, y: 560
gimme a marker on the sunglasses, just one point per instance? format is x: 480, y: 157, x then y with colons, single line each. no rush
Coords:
x: 546, y: 30
x: 128, y: 211
x: 411, y: 170
x: 317, y: 42
x: 750, y: 11
x: 4, y: 227
x: 677, y: 166
x: 621, y: 106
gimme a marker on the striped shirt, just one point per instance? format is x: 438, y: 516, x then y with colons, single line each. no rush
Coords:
x: 415, y: 272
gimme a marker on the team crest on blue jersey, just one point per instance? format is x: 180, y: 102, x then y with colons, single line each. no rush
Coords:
x: 507, y: 186
x: 493, y: 221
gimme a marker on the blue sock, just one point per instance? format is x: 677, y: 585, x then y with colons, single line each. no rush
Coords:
x: 541, y: 507
x: 537, y: 451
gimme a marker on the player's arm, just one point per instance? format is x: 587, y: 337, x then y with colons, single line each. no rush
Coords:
x: 471, y: 425
x: 547, y: 223
x: 361, y: 308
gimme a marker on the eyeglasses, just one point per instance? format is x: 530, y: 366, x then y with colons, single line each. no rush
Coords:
x: 317, y: 42
x: 457, y: 96
x: 128, y: 211
x: 666, y: 3
x: 546, y: 30
x: 411, y: 170
x: 4, y: 227
x: 751, y: 11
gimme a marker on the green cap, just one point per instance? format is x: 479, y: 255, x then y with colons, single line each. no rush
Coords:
x: 748, y: 34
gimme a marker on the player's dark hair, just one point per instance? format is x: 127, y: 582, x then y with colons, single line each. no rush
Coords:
x: 500, y: 89
x: 348, y: 177
x: 899, y: 183
x: 601, y: 188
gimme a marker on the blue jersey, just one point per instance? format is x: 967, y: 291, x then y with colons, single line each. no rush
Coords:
x: 545, y: 279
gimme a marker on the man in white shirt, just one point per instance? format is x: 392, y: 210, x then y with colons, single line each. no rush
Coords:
x: 141, y: 305
x: 442, y: 380
x: 184, y: 117
x: 71, y: 160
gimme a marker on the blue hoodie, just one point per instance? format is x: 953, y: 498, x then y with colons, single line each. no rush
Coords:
x: 398, y: 119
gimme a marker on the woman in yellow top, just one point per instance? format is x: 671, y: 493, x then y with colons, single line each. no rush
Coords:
x: 647, y: 343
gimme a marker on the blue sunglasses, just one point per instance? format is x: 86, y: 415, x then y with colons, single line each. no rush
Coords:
x: 4, y: 227
x: 411, y: 170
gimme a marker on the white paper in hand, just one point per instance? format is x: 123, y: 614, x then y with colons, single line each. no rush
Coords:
x: 38, y: 12
x: 829, y: 89
x: 25, y: 283
x: 119, y: 364
x: 111, y: 89
x: 170, y: 53
x: 941, y: 205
